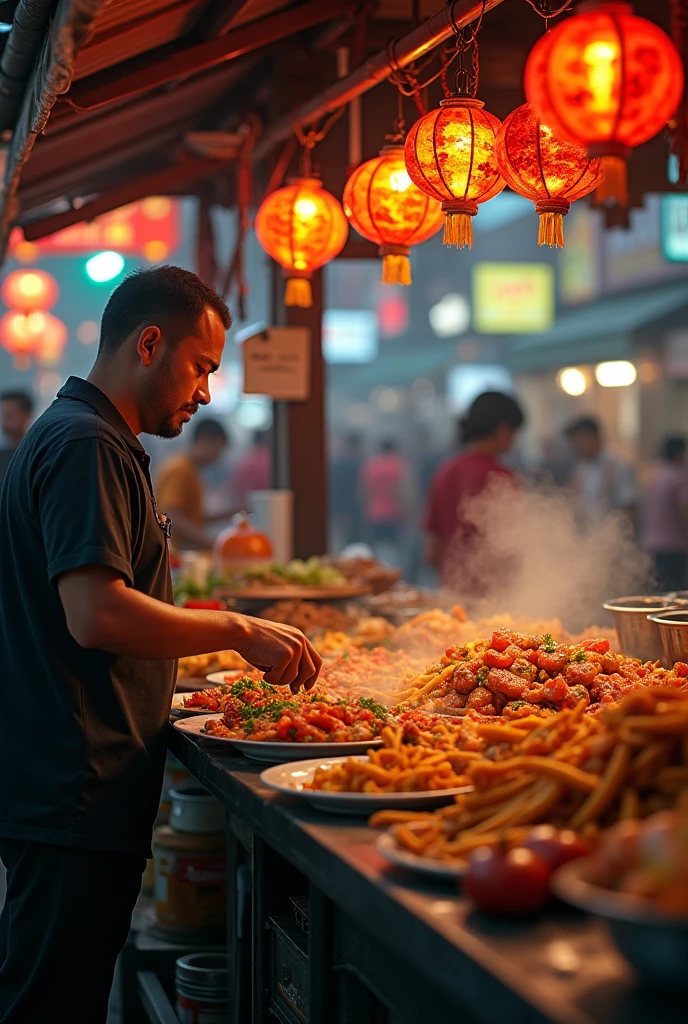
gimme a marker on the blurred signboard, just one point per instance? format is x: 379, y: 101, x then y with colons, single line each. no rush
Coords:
x: 277, y: 363
x: 150, y: 227
x: 513, y: 298
x: 579, y: 260
x: 675, y: 228
x: 350, y: 335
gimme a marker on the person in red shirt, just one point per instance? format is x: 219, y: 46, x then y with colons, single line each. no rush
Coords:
x: 488, y: 431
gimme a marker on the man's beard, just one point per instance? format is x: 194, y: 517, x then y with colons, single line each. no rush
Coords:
x: 157, y: 398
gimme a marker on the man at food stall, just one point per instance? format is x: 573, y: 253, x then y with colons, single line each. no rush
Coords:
x: 88, y: 641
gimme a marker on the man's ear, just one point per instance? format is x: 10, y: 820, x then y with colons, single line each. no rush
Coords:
x: 149, y: 340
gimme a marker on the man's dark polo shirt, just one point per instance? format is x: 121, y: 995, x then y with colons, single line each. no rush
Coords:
x: 82, y: 732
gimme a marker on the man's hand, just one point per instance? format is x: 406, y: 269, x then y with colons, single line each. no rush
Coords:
x: 103, y: 613
x: 281, y: 652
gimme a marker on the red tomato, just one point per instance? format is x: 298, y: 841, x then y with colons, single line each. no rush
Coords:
x: 210, y: 604
x: 508, y: 883
x: 555, y: 847
x: 498, y: 659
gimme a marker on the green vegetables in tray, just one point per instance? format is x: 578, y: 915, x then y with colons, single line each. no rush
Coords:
x: 311, y: 573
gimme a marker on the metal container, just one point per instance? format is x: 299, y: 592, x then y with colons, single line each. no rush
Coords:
x: 638, y: 636
x: 673, y: 632
x: 201, y: 982
x: 195, y: 810
x: 655, y: 944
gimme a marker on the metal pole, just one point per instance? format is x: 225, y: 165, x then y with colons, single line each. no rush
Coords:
x: 412, y: 47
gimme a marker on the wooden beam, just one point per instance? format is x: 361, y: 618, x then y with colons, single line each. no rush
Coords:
x: 170, y: 180
x: 167, y: 63
x: 216, y: 20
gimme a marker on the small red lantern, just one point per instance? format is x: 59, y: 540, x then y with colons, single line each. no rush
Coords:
x: 384, y: 206
x: 302, y: 226
x: 450, y: 156
x: 539, y: 166
x: 20, y: 335
x: 607, y: 80
x: 30, y: 290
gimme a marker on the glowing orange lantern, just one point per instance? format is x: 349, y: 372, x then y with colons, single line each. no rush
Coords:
x: 20, y: 335
x: 539, y: 166
x: 384, y: 205
x: 608, y: 80
x: 52, y: 341
x: 450, y: 156
x: 302, y: 226
x: 30, y: 290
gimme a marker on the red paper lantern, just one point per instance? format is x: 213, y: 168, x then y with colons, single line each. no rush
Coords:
x: 450, y: 156
x: 30, y: 290
x: 20, y: 335
x: 384, y: 205
x: 302, y: 226
x: 539, y: 166
x: 608, y: 80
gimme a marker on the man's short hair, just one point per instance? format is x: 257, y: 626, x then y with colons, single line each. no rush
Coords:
x: 211, y: 429
x: 584, y: 425
x: 168, y: 297
x: 22, y: 398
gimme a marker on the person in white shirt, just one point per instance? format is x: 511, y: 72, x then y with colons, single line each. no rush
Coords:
x: 602, y: 482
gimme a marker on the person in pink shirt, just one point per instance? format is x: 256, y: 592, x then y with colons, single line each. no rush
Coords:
x: 252, y: 471
x: 383, y: 481
x: 488, y: 432
x: 664, y: 524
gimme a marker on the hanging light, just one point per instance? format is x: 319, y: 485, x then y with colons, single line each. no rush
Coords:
x: 20, y: 335
x: 384, y: 206
x: 450, y: 156
x: 30, y: 290
x: 302, y: 226
x: 539, y: 166
x: 606, y: 79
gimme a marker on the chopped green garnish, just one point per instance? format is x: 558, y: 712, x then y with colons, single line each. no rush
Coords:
x: 516, y: 705
x: 579, y: 656
x: 482, y: 675
x: 369, y: 704
x: 548, y: 643
x: 239, y: 688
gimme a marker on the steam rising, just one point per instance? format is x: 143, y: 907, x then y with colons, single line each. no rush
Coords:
x: 529, y: 558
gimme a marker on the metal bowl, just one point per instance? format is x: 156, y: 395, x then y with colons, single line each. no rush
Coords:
x: 673, y: 632
x: 638, y: 636
x: 655, y: 944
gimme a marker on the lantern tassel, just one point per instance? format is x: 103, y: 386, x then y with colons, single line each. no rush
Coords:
x: 613, y: 186
x: 458, y: 230
x: 551, y: 230
x: 396, y: 269
x: 298, y: 292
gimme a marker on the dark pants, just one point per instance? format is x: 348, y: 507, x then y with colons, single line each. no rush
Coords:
x: 66, y: 917
x: 670, y: 570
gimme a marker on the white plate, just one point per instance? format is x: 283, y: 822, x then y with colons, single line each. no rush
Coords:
x: 274, y: 753
x: 228, y: 676
x: 387, y: 846
x: 291, y: 779
x: 178, y: 710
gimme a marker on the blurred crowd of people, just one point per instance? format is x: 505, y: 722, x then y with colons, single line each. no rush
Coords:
x: 409, y: 510
x: 390, y: 501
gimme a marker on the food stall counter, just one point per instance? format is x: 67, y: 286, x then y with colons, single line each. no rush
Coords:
x: 385, y: 945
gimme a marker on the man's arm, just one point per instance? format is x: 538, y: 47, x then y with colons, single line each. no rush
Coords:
x: 104, y: 613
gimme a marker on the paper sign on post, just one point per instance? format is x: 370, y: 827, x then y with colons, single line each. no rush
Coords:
x: 277, y: 363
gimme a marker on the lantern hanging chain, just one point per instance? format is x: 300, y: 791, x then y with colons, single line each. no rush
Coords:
x: 546, y: 11
x: 466, y: 79
x: 408, y: 80
x: 310, y: 138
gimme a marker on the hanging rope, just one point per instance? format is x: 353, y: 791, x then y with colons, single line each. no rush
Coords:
x: 546, y: 11
x: 678, y: 130
x: 309, y: 140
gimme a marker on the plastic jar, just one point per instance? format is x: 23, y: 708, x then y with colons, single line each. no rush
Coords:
x: 201, y: 982
x: 190, y: 884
